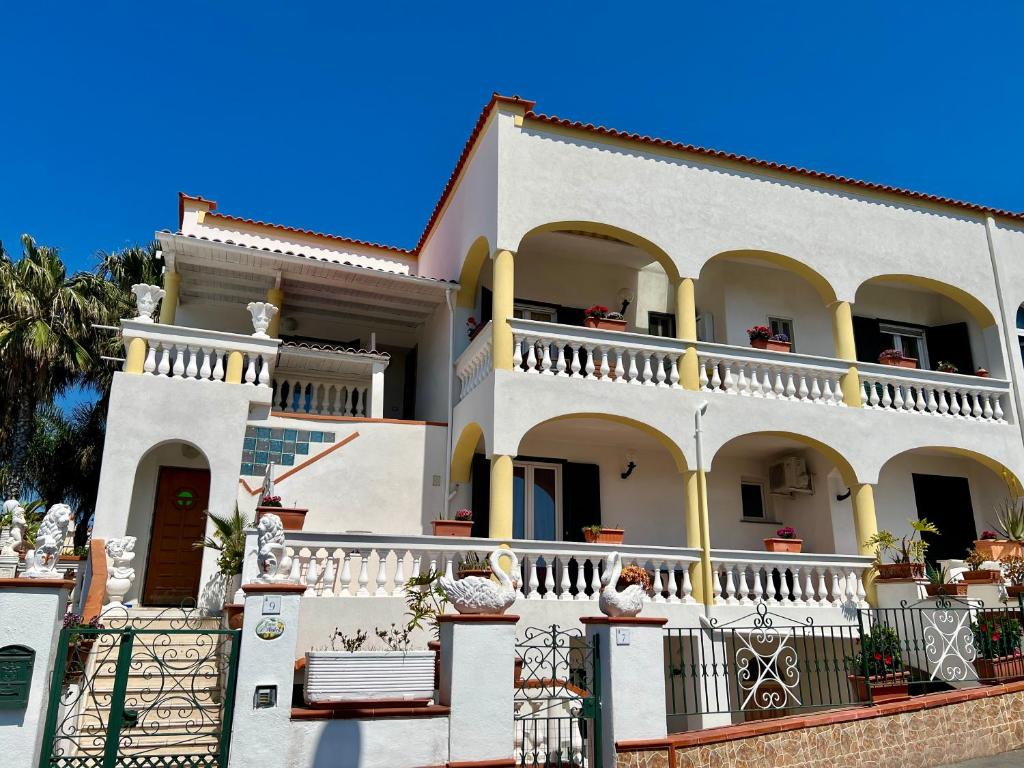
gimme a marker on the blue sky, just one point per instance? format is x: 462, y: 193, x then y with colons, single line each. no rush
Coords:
x: 348, y: 118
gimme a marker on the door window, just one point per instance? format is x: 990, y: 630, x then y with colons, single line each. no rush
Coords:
x: 535, y: 312
x: 536, y: 501
x: 908, y: 340
x: 784, y: 326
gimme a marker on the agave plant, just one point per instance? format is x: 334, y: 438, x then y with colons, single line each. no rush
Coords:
x: 1009, y: 522
x: 229, y: 540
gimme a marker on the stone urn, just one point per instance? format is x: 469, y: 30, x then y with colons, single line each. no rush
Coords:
x: 262, y: 313
x: 146, y: 299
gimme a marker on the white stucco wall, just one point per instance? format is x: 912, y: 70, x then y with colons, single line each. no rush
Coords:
x: 385, y: 743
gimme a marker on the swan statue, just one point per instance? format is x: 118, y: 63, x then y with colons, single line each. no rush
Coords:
x: 612, y: 602
x: 477, y: 594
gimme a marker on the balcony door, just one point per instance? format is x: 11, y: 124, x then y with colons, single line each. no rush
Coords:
x: 536, y: 500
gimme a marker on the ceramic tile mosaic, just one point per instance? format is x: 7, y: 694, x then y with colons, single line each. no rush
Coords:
x: 281, y: 446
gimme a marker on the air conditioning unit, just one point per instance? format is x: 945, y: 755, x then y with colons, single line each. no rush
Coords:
x: 789, y: 475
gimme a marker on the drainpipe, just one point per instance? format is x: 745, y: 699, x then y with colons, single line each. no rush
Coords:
x: 702, y: 504
x: 449, y: 297
x: 1009, y: 339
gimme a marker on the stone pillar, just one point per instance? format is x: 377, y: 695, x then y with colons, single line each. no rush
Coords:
x: 501, y: 498
x: 501, y: 310
x: 31, y: 615
x: 846, y: 349
x: 865, y: 525
x: 276, y: 297
x: 477, y: 672
x: 257, y: 733
x: 632, y: 678
x: 686, y: 330
x: 377, y: 393
x: 169, y: 307
x: 696, y: 521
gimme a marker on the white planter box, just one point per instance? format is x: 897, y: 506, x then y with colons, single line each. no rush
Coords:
x: 333, y: 676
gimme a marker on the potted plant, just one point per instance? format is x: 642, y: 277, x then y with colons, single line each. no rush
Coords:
x: 229, y: 540
x: 1005, y: 540
x: 978, y: 575
x: 982, y: 372
x: 635, y: 574
x: 79, y: 645
x: 879, y: 675
x: 1014, y: 569
x: 997, y: 637
x: 945, y: 366
x: 292, y: 518
x: 939, y: 583
x: 473, y: 327
x: 461, y: 525
x: 906, y: 554
x: 761, y: 337
x: 599, y: 534
x: 784, y: 541
x: 598, y: 316
x: 895, y: 357
x: 473, y: 565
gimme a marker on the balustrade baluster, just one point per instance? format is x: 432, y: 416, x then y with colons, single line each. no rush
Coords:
x: 778, y: 389
x: 382, y: 573
x: 400, y: 579
x: 192, y: 369
x: 604, y: 370
x: 897, y: 400
x: 295, y: 571
x: 575, y: 366
x: 756, y: 388
x: 312, y: 576
x: 346, y: 576
x: 886, y: 398
x: 795, y: 591
x: 205, y: 370
x: 565, y: 585
x: 790, y: 386
x: 728, y: 382
x: 364, y: 575
x: 549, y: 577
x: 802, y: 391
x: 560, y: 360
x: 545, y: 358
x: 673, y: 583
x: 742, y: 383
x: 656, y: 582
x: 165, y: 360
x: 730, y: 586
x: 581, y: 579
x: 997, y: 409
x: 218, y: 365
x: 758, y: 589
x: 531, y: 355
x: 943, y: 405
x: 837, y: 592
x: 620, y: 371
x: 179, y: 362
x: 634, y: 373
x: 922, y: 400
x: 648, y: 375
x: 250, y: 370
x: 673, y: 371
x: 150, y: 365
x: 954, y: 402
x: 589, y: 368
x: 716, y: 583
x: 687, y: 586
x: 809, y: 587
x: 517, y: 352
x: 744, y: 587
x: 932, y: 405
x: 987, y: 410
x: 595, y: 578
x: 330, y: 574
x: 716, y: 376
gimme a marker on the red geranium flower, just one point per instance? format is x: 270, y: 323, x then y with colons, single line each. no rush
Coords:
x: 878, y: 657
x: 888, y: 660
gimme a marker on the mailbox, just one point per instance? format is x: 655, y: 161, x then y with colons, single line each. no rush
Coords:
x: 16, y: 662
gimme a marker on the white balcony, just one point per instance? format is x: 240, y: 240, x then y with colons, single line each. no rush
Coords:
x: 322, y: 380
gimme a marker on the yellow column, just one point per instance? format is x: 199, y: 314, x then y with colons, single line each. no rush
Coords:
x: 169, y: 306
x: 686, y: 330
x: 865, y: 525
x: 846, y: 349
x: 501, y: 312
x: 276, y: 297
x: 136, y: 357
x: 234, y: 372
x: 706, y: 574
x: 696, y: 524
x: 501, y: 498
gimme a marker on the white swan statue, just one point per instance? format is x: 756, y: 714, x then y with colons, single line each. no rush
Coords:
x: 477, y: 594
x: 612, y: 602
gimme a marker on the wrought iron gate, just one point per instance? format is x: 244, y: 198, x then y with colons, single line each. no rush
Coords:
x: 558, y: 699
x: 142, y: 693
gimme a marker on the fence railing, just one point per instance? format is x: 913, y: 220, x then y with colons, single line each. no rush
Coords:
x: 474, y: 364
x: 785, y: 578
x: 298, y: 393
x: 887, y: 387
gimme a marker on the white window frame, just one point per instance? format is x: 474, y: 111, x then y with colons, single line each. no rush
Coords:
x: 525, y: 311
x: 792, y: 329
x: 769, y: 513
x: 896, y: 331
x: 528, y: 471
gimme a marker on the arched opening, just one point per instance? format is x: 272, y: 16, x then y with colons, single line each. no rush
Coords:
x: 933, y: 325
x: 470, y: 441
x: 763, y: 481
x: 958, y: 490
x: 740, y: 289
x: 472, y: 267
x: 170, y: 497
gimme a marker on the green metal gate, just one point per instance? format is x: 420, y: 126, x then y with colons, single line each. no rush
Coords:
x: 154, y: 692
x: 558, y: 699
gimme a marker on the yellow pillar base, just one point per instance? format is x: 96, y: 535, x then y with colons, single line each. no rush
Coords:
x: 500, y: 525
x: 851, y: 388
x: 233, y: 375
x: 169, y: 305
x: 136, y: 357
x: 689, y: 373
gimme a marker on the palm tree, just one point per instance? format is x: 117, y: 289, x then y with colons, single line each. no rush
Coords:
x: 47, y: 340
x: 228, y: 539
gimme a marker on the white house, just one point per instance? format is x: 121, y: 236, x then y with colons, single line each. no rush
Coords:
x: 381, y: 414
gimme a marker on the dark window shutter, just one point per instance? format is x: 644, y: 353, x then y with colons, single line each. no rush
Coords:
x: 486, y: 301
x: 581, y: 499
x: 570, y: 316
x: 951, y: 343
x: 868, y: 337
x: 481, y: 495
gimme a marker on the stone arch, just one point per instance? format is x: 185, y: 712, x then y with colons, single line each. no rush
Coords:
x: 842, y: 464
x: 974, y: 306
x: 472, y: 266
x: 609, y: 230
x: 816, y: 279
x: 667, y: 442
x: 462, y: 453
x: 1011, y: 479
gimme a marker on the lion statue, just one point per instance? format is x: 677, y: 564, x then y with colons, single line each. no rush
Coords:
x: 15, y: 542
x: 270, y: 540
x: 49, y: 542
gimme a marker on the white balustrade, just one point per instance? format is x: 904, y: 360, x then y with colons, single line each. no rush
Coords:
x: 787, y: 579
x: 954, y: 395
x: 372, y: 565
x: 297, y: 393
x: 610, y: 357
x: 201, y: 355
x: 474, y: 364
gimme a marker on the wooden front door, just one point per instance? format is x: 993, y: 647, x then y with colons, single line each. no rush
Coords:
x: 179, y: 520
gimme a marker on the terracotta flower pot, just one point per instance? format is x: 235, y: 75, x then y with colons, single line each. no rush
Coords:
x: 518, y: 671
x: 1001, y: 669
x: 605, y: 323
x: 778, y: 544
x: 983, y: 577
x: 900, y: 571
x: 956, y: 589
x: 770, y: 345
x: 292, y: 518
x: 1014, y: 591
x: 234, y: 614
x: 605, y: 536
x: 982, y: 373
x: 452, y: 527
x: 998, y: 549
x: 899, y: 362
x: 77, y: 658
x: 482, y: 572
x: 889, y: 687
